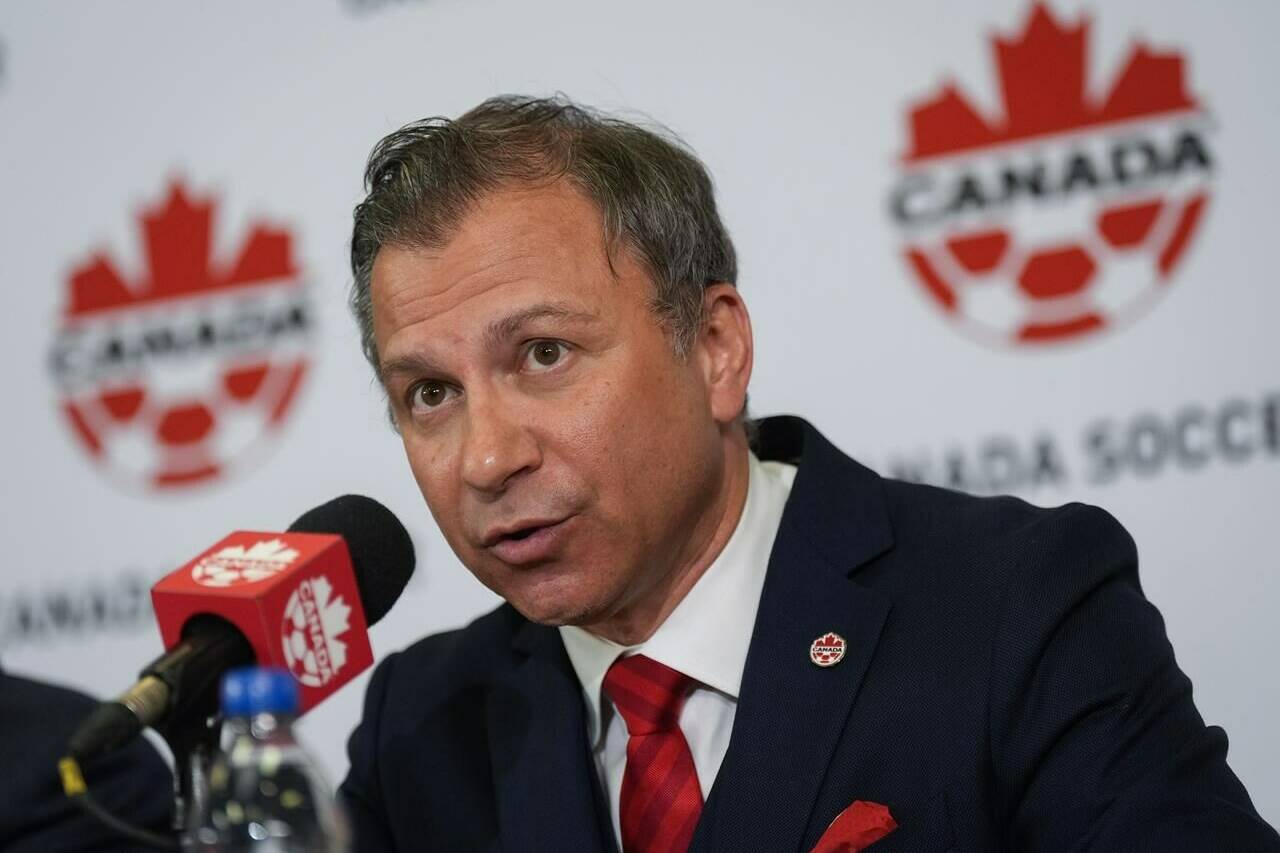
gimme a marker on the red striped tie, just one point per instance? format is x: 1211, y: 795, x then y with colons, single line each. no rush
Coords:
x: 660, y: 800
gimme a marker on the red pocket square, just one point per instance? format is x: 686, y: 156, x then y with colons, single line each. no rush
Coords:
x: 857, y: 827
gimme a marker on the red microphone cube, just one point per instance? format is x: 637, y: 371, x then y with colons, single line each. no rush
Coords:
x: 293, y: 595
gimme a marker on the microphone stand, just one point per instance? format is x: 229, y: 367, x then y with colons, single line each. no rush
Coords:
x: 177, y: 694
x: 193, y: 742
x: 193, y: 728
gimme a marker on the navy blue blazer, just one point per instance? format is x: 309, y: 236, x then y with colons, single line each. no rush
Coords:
x: 1006, y: 687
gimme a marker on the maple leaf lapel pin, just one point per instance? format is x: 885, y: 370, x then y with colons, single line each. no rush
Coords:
x: 862, y: 824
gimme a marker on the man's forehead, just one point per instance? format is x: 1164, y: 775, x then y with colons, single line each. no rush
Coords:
x: 410, y: 289
x: 507, y: 237
x: 552, y: 224
x: 402, y: 357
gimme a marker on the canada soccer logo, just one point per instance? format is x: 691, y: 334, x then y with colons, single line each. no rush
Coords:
x: 827, y: 650
x: 171, y: 373
x: 1069, y: 211
x: 236, y: 565
x: 314, y: 621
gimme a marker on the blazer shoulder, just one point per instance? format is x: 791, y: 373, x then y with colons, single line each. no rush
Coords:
x: 994, y: 545
x: 997, y: 521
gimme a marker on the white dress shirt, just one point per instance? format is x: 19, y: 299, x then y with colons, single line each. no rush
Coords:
x: 705, y: 637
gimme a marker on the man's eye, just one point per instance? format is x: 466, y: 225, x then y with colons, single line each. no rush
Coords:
x: 428, y: 395
x: 546, y: 353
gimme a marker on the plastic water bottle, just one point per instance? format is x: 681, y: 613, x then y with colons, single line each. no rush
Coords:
x: 265, y: 795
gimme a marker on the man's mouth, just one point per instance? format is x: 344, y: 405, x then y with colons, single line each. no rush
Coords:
x: 528, y: 541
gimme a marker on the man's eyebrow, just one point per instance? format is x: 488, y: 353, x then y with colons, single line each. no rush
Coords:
x: 498, y: 332
x: 407, y: 364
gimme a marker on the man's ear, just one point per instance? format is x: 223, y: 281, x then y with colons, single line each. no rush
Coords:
x: 724, y: 350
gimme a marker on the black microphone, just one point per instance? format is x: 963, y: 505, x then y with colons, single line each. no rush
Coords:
x: 223, y: 626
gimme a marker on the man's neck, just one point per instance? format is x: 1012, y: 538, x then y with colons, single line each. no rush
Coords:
x: 638, y: 620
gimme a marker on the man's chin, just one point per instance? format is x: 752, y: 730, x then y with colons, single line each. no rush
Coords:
x: 554, y: 594
x: 548, y: 605
x: 555, y: 614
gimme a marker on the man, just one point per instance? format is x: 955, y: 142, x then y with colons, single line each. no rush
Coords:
x: 133, y: 783
x: 704, y: 647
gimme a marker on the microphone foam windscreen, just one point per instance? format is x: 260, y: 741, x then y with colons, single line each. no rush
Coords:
x: 381, y: 550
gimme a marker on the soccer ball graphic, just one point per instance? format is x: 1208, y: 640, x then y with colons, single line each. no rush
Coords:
x: 169, y: 437
x: 1032, y: 291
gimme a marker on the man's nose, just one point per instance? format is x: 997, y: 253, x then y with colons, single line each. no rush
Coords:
x: 498, y: 446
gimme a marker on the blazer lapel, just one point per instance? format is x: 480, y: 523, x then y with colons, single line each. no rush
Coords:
x: 790, y: 711
x: 544, y: 780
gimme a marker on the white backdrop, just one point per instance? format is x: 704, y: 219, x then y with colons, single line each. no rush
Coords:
x: 801, y: 112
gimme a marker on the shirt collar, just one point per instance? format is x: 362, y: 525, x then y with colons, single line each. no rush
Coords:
x: 706, y: 637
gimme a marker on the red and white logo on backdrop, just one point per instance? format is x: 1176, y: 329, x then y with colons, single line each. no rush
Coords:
x: 1069, y: 210
x: 170, y: 375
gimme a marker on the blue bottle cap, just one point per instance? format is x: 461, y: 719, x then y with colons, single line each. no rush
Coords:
x: 259, y: 690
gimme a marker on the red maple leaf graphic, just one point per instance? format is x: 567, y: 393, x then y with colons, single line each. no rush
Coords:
x: 178, y: 236
x: 1042, y: 81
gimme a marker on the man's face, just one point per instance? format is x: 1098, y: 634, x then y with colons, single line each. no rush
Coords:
x: 567, y: 454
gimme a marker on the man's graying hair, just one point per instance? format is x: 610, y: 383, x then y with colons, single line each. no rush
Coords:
x: 655, y: 197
